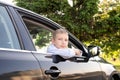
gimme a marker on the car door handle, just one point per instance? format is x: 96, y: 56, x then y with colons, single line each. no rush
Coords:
x: 52, y: 72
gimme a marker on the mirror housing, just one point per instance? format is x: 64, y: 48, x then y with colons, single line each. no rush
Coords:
x: 94, y: 50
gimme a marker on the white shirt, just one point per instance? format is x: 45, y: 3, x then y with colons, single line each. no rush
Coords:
x: 66, y: 53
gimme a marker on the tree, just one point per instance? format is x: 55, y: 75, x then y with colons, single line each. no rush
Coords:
x: 77, y: 19
x: 108, y: 23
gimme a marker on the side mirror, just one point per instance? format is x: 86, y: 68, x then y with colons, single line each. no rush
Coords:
x: 94, y: 50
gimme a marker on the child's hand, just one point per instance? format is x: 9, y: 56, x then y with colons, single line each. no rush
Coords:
x: 78, y: 52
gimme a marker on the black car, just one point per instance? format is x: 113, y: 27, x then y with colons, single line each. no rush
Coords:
x: 24, y: 37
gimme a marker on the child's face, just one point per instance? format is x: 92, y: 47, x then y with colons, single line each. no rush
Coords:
x: 61, y: 40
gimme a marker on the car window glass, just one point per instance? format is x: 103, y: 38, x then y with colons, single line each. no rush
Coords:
x: 8, y: 37
x: 40, y: 34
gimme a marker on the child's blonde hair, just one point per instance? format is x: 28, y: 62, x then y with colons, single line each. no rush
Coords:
x: 59, y: 31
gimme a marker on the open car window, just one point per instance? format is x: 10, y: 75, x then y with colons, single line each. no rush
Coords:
x: 40, y: 34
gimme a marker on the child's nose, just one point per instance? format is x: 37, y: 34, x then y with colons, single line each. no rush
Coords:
x: 64, y: 41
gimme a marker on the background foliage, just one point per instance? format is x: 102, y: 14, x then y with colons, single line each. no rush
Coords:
x: 90, y: 21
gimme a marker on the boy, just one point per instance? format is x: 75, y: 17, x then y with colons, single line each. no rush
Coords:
x: 59, y: 45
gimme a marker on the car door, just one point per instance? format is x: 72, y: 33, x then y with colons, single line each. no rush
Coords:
x: 16, y: 63
x: 41, y: 29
